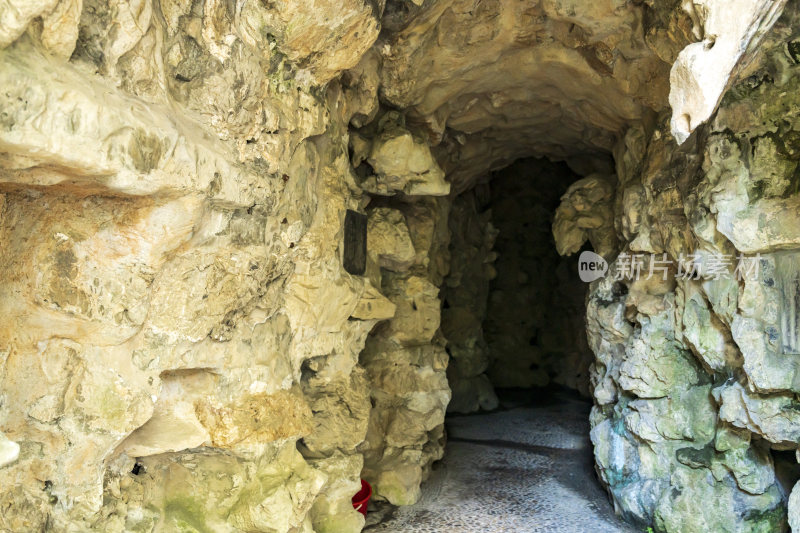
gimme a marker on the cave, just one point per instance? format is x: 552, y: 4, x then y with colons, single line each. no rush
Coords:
x: 517, y: 453
x: 399, y: 265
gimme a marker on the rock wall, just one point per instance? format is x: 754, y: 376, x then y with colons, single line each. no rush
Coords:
x: 465, y: 298
x: 180, y: 343
x: 695, y: 376
x: 405, y: 358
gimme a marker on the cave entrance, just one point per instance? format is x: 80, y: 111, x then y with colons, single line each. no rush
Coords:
x: 513, y: 313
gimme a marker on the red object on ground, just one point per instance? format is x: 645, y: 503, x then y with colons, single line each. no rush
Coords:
x: 361, y: 499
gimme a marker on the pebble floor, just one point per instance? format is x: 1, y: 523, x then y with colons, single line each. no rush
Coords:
x: 526, y: 468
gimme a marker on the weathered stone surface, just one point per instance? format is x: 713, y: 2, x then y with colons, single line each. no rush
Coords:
x: 212, y: 491
x: 585, y: 214
x: 703, y: 71
x: 794, y: 509
x: 182, y: 348
x: 465, y: 298
x: 66, y: 130
x: 661, y: 445
x: 483, y: 80
x: 400, y: 161
x: 322, y: 37
x: 172, y: 200
x: 404, y: 357
x: 389, y: 242
x: 417, y: 316
x: 776, y: 418
x: 333, y: 511
x: 720, y: 209
x: 15, y: 15
x: 9, y: 451
x: 654, y: 364
x: 705, y: 333
x: 373, y: 305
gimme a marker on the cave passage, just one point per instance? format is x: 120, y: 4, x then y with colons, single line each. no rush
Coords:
x: 518, y: 454
x: 513, y: 308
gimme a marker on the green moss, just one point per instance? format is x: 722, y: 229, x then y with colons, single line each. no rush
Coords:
x: 187, y: 515
x: 696, y: 458
x: 111, y: 405
x: 766, y: 521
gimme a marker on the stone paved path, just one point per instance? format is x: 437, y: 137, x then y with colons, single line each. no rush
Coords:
x: 525, y: 469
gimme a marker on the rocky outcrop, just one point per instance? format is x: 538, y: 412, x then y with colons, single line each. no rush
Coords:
x: 661, y: 443
x: 180, y: 343
x: 694, y: 373
x: 405, y: 356
x: 704, y: 70
x: 394, y: 160
x: 465, y: 299
x: 585, y: 214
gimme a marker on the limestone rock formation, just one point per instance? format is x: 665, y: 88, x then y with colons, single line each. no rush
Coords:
x: 9, y: 451
x: 703, y: 70
x: 401, y: 161
x: 585, y: 214
x: 695, y: 373
x: 794, y: 502
x: 405, y: 357
x: 182, y: 349
x: 659, y: 444
x: 465, y: 297
x: 181, y: 343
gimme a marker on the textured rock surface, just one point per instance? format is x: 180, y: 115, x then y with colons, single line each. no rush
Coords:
x: 703, y: 70
x: 458, y: 67
x: 585, y: 214
x: 465, y: 301
x: 694, y: 378
x: 794, y: 508
x: 406, y: 360
x: 659, y: 444
x: 9, y: 451
x: 181, y: 348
